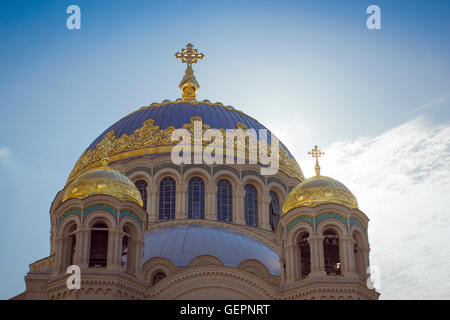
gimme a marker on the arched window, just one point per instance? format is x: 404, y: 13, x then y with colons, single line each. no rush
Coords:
x: 141, y: 185
x: 99, y: 245
x: 224, y: 201
x: 274, y: 210
x: 124, y: 256
x: 158, y: 276
x: 331, y: 252
x: 70, y: 246
x: 167, y: 189
x: 128, y: 253
x: 196, y: 198
x: 251, y: 205
x: 305, y: 254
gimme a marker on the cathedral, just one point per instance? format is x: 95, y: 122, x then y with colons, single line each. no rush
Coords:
x: 139, y: 225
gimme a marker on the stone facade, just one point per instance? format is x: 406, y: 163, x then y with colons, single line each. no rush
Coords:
x: 205, y: 276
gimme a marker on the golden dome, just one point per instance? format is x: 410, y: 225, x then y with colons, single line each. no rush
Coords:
x: 103, y: 180
x: 318, y: 190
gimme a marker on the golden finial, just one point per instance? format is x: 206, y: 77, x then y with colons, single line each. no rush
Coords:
x: 189, y: 84
x: 107, y: 146
x: 316, y: 153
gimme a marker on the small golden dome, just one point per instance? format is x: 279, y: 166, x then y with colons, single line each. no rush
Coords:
x: 318, y: 190
x: 103, y: 180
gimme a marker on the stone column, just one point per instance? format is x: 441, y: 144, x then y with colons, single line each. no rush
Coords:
x: 78, y: 248
x: 283, y: 273
x: 289, y: 267
x: 114, y: 248
x: 365, y: 261
x: 138, y: 255
x: 181, y: 211
x: 59, y: 242
x: 85, y: 234
x: 317, y: 258
x: 210, y: 201
x: 297, y: 262
x: 348, y: 257
x: 238, y: 202
x: 264, y: 213
x: 152, y: 203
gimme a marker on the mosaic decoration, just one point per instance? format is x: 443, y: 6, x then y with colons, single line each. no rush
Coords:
x: 131, y: 214
x: 68, y: 213
x: 293, y: 222
x: 151, y: 139
x: 330, y: 215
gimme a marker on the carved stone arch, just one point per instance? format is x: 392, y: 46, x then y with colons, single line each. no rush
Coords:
x: 296, y: 231
x: 355, y: 224
x: 255, y: 180
x: 296, y: 216
x: 255, y: 267
x: 196, y: 171
x: 360, y: 236
x: 205, y: 260
x: 155, y: 264
x: 299, y: 211
x: 212, y: 282
x: 279, y: 190
x: 360, y: 254
x: 227, y: 175
x: 100, y: 216
x: 136, y: 229
x: 67, y: 223
x: 140, y: 175
x: 167, y: 172
x: 333, y: 224
x: 137, y: 164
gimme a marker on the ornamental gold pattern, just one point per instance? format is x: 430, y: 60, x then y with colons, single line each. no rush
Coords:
x: 151, y: 139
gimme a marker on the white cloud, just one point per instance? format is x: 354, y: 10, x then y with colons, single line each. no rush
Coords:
x: 5, y: 153
x: 402, y: 182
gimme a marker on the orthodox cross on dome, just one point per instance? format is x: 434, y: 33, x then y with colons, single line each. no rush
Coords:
x: 316, y: 153
x: 106, y: 145
x: 189, y: 55
x: 189, y: 84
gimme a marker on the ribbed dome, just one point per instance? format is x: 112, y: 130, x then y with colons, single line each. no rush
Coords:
x: 148, y: 130
x: 180, y: 244
x: 318, y: 190
x: 103, y: 180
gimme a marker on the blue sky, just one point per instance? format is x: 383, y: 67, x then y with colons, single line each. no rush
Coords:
x: 308, y: 70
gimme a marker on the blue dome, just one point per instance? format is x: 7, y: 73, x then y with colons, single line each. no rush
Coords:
x: 147, y: 131
x: 180, y: 244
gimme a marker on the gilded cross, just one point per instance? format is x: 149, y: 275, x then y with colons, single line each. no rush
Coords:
x: 316, y: 153
x: 189, y: 84
x: 189, y: 55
